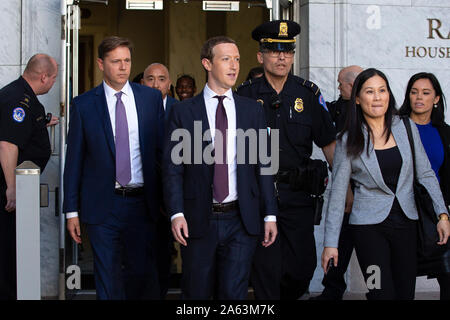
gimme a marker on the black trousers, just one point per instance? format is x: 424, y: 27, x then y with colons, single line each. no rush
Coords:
x: 394, y: 251
x: 218, y: 264
x: 444, y: 284
x: 285, y: 269
x: 8, y: 286
x: 334, y: 281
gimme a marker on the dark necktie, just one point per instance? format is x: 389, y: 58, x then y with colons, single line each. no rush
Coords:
x: 220, y: 182
x: 123, y: 164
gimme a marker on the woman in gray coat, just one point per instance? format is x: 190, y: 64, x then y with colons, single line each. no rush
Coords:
x: 373, y: 150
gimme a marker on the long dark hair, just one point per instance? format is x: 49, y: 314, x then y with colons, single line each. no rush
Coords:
x: 355, y: 118
x: 437, y: 114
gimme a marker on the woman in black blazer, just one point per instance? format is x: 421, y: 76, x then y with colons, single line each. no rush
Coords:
x: 425, y: 104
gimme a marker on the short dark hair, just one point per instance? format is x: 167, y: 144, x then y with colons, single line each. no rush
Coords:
x: 437, y: 114
x: 355, y: 119
x: 186, y: 76
x: 110, y: 43
x: 209, y: 45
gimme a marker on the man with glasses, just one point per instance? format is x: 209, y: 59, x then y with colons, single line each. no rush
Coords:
x: 297, y: 109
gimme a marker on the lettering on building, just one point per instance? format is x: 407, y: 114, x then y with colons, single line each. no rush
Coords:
x: 436, y: 31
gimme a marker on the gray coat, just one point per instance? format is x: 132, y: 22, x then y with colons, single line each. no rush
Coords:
x: 372, y: 197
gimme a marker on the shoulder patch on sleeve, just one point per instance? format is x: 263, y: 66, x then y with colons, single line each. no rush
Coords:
x: 18, y: 114
x: 322, y: 102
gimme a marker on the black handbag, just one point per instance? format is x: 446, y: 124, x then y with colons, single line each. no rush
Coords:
x: 430, y: 255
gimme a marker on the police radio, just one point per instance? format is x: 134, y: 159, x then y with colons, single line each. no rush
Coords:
x: 275, y: 101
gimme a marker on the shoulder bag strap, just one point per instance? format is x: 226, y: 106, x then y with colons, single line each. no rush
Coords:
x: 411, y: 142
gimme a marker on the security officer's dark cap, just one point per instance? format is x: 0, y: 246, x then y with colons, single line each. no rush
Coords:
x: 278, y: 35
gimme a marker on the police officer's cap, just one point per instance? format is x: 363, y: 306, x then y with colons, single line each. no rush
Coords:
x: 278, y: 35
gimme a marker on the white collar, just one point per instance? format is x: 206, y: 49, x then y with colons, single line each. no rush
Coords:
x: 110, y: 92
x: 209, y: 94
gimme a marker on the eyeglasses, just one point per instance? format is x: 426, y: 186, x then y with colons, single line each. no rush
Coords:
x: 276, y: 54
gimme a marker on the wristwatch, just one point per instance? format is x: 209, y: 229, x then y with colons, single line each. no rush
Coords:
x: 443, y: 216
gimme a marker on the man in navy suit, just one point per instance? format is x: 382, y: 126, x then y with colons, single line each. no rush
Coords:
x: 214, y: 203
x: 157, y: 76
x: 110, y: 177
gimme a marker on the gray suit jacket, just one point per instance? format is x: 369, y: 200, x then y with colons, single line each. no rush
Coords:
x: 372, y: 197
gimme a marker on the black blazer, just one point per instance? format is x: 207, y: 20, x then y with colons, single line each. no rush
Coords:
x: 188, y: 186
x: 444, y: 171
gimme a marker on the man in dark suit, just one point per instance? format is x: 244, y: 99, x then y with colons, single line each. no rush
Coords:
x: 157, y: 76
x: 215, y: 202
x: 110, y: 176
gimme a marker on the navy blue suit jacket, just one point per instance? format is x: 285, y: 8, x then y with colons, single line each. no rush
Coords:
x: 170, y: 101
x: 188, y: 187
x: 89, y: 173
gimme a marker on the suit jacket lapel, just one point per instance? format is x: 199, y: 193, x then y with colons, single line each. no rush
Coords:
x: 371, y: 163
x: 102, y: 108
x: 198, y: 110
x: 240, y: 124
x: 239, y: 112
x: 138, y: 100
x: 401, y: 138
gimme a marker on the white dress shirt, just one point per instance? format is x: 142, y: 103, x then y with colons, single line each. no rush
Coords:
x: 164, y: 103
x: 137, y: 178
x: 211, y: 104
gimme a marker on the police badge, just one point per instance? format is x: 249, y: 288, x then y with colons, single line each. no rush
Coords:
x: 298, y: 105
x: 283, y: 29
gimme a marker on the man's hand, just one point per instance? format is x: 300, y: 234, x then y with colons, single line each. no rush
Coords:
x: 270, y: 233
x: 179, y: 224
x: 73, y: 225
x: 10, y: 199
x: 53, y: 121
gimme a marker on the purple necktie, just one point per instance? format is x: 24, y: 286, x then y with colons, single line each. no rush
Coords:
x: 220, y: 183
x: 123, y: 164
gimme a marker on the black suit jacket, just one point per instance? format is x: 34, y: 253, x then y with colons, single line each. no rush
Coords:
x: 188, y: 186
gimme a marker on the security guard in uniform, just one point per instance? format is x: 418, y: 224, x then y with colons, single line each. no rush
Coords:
x: 23, y: 136
x: 297, y: 109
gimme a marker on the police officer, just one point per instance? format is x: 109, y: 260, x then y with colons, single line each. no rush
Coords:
x: 297, y: 109
x: 334, y: 282
x: 338, y: 109
x: 23, y: 136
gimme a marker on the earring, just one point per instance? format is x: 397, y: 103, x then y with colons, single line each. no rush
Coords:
x: 435, y: 105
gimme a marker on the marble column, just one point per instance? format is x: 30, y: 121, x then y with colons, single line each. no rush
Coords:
x: 40, y: 32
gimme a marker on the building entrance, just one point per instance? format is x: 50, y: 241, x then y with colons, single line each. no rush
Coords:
x: 172, y: 36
